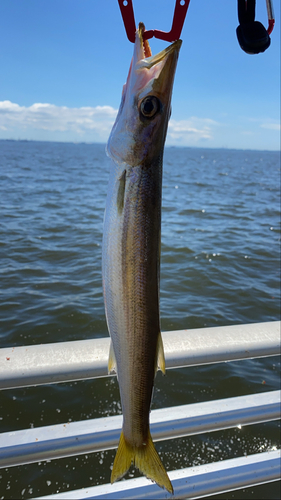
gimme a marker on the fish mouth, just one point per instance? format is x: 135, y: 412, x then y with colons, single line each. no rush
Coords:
x: 154, y: 72
x: 143, y: 53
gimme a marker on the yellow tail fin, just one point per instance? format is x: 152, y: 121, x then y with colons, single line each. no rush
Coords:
x: 146, y: 459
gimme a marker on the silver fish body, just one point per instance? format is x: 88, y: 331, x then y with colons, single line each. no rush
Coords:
x: 131, y: 275
x: 131, y: 250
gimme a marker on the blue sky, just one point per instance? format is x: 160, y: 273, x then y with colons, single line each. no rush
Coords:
x: 63, y: 64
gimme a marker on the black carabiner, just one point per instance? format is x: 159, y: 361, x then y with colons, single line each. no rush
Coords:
x: 252, y: 35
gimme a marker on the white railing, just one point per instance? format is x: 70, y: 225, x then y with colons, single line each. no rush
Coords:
x: 69, y: 361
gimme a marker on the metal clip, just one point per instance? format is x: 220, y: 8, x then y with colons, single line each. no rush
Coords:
x: 127, y: 12
x: 270, y: 15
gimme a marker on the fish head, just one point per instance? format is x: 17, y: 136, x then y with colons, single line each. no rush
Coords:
x: 141, y: 124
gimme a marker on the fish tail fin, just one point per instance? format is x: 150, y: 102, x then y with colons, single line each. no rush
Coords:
x: 149, y: 463
x: 145, y: 458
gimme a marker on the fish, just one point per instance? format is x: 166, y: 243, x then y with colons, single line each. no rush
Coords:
x: 131, y: 250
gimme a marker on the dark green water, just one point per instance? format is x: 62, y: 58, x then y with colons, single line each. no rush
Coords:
x: 220, y: 265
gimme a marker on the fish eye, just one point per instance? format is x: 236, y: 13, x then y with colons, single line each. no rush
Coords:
x: 149, y: 106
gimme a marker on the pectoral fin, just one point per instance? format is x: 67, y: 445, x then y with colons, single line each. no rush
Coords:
x: 121, y: 192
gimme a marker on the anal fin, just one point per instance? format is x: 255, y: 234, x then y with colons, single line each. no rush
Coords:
x: 112, y: 365
x: 160, y: 355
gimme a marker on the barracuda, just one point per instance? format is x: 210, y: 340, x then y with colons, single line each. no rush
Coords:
x: 131, y: 250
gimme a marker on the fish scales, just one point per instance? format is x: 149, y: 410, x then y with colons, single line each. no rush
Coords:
x: 140, y: 283
x: 131, y: 250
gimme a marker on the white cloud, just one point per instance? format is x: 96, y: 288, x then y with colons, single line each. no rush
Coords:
x: 43, y: 121
x: 271, y: 126
x: 47, y: 121
x: 86, y: 121
x: 191, y: 131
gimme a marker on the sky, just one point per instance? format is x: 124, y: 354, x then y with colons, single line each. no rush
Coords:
x: 63, y: 64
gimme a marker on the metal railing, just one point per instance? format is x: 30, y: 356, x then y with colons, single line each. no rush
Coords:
x: 77, y: 360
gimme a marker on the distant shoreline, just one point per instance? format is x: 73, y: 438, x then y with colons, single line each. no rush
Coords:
x: 166, y: 147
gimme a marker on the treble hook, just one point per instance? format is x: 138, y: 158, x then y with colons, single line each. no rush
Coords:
x: 127, y: 12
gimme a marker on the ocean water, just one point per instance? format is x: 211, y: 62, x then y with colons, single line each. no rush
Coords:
x: 220, y: 265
